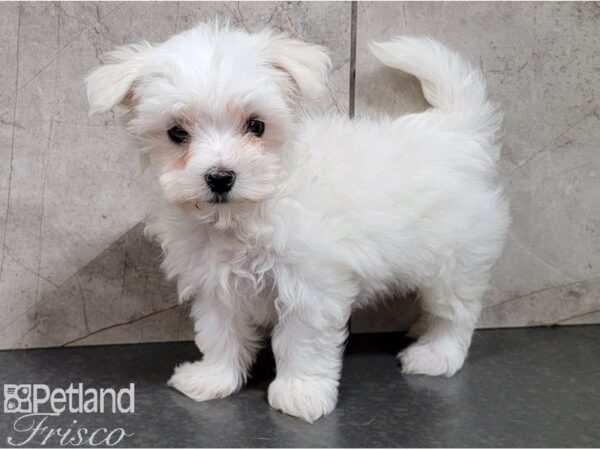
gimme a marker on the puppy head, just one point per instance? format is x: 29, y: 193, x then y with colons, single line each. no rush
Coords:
x: 213, y: 108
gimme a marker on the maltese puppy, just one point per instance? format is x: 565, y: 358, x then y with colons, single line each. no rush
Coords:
x: 278, y: 222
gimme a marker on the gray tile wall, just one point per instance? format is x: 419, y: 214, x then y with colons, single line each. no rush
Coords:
x: 75, y: 268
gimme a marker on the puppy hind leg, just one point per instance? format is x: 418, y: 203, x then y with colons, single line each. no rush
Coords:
x: 443, y: 344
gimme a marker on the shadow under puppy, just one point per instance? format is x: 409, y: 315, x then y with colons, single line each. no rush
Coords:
x: 274, y: 219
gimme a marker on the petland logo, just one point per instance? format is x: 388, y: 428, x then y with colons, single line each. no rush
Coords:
x: 37, y: 404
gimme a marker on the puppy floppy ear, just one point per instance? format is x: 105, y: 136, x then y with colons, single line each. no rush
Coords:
x: 112, y: 83
x: 307, y: 65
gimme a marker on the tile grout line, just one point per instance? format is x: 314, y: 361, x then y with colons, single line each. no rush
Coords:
x: 352, y: 82
x: 12, y: 142
x: 352, y: 90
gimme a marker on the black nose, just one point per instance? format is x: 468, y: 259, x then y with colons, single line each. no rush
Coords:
x: 220, y: 181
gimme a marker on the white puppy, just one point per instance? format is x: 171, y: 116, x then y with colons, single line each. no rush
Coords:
x: 276, y: 222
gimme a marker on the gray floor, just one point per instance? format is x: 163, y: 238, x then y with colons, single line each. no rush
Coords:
x: 523, y: 387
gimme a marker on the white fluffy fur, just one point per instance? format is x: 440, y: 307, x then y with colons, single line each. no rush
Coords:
x: 326, y: 213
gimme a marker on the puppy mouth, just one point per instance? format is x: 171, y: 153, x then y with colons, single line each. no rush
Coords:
x: 215, y: 199
x: 219, y: 198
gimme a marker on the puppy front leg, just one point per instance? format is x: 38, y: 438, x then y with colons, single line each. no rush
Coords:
x: 228, y: 343
x: 308, y: 345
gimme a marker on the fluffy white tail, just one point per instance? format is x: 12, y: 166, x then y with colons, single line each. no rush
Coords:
x: 449, y: 83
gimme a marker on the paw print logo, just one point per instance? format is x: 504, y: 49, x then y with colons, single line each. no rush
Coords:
x: 17, y: 398
x: 11, y: 405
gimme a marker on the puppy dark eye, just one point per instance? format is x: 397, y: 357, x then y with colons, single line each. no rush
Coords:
x: 255, y: 126
x: 178, y: 134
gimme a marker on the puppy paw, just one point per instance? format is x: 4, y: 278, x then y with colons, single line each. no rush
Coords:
x: 308, y: 399
x: 201, y: 381
x: 431, y: 359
